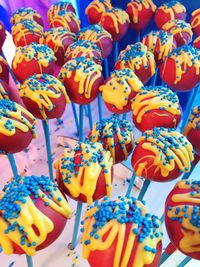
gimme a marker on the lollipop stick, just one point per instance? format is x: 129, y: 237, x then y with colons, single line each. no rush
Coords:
x: 116, y: 51
x: 75, y: 116
x: 144, y: 189
x: 100, y: 106
x: 138, y: 36
x: 86, y: 111
x: 106, y: 68
x: 13, y: 164
x: 170, y: 249
x: 81, y: 110
x: 48, y: 146
x: 131, y: 184
x: 76, y: 224
x: 184, y: 262
x: 124, y: 116
x: 90, y: 116
x: 154, y: 78
x: 29, y: 261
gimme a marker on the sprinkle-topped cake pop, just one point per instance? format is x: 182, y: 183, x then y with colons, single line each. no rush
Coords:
x: 44, y: 96
x: 156, y: 106
x: 85, y: 172
x: 99, y: 36
x: 195, y: 21
x: 84, y: 48
x: 121, y: 233
x: 58, y: 39
x: 57, y: 7
x: 119, y: 89
x: 181, y: 68
x: 192, y: 129
x: 32, y: 59
x: 2, y: 35
x: 26, y: 32
x: 169, y: 11
x: 160, y: 43
x: 162, y: 154
x: 26, y: 13
x: 17, y: 127
x: 95, y: 10
x: 116, y: 22
x: 182, y: 217
x: 4, y: 71
x: 115, y: 135
x: 82, y: 78
x: 181, y: 31
x: 66, y: 19
x: 33, y: 213
x: 196, y: 42
x: 139, y: 59
x: 140, y: 13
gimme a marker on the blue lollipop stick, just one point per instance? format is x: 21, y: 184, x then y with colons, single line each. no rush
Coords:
x: 106, y: 68
x: 154, y: 78
x: 184, y: 262
x: 13, y: 164
x: 29, y: 261
x: 144, y: 189
x: 131, y: 184
x: 100, y: 106
x: 138, y: 37
x: 75, y: 116
x: 90, y: 116
x: 124, y: 116
x: 45, y: 125
x: 116, y: 51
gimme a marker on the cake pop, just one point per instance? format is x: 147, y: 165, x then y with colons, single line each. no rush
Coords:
x: 140, y: 13
x: 85, y: 172
x: 162, y: 154
x: 17, y: 127
x: 99, y: 36
x: 115, y: 135
x: 119, y: 89
x: 169, y: 11
x: 121, y: 233
x: 95, y: 10
x: 192, y: 129
x: 182, y: 217
x: 82, y: 78
x: 116, y: 22
x: 84, y: 48
x: 33, y: 213
x: 4, y: 71
x: 2, y: 35
x: 196, y: 42
x: 58, y: 39
x: 57, y: 7
x: 160, y: 43
x: 44, y: 96
x: 32, y: 59
x: 195, y: 21
x: 181, y: 68
x: 156, y: 106
x: 139, y: 59
x: 4, y: 89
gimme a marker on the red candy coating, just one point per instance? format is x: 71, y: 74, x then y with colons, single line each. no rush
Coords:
x: 4, y: 71
x: 2, y: 34
x: 195, y: 21
x: 95, y: 10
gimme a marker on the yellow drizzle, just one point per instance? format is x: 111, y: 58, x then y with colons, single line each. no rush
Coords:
x: 65, y: 19
x: 24, y: 14
x: 177, y: 8
x: 99, y: 6
x: 43, y: 91
x: 3, y: 93
x: 88, y: 173
x: 195, y: 21
x: 56, y: 8
x: 194, y: 121
x: 117, y: 90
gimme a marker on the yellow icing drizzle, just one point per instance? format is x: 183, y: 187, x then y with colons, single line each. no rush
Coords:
x: 65, y: 20
x: 55, y: 8
x: 116, y: 231
x: 3, y: 93
x: 117, y: 90
x: 182, y: 155
x: 26, y: 14
x: 100, y: 7
x: 193, y: 121
x: 83, y: 69
x: 195, y: 21
x: 47, y: 89
x: 86, y: 180
x: 177, y: 8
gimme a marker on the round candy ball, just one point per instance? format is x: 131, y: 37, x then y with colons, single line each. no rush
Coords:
x: 59, y: 6
x: 195, y: 21
x: 2, y: 35
x: 95, y: 10
x: 4, y: 70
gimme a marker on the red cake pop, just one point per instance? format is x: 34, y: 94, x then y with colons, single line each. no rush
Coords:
x: 26, y: 32
x: 57, y: 7
x: 121, y: 233
x: 160, y: 43
x: 82, y: 78
x: 115, y: 135
x: 182, y: 217
x: 140, y: 13
x: 95, y: 10
x: 84, y: 48
x: 119, y: 89
x: 181, y: 31
x: 58, y: 39
x: 85, y: 172
x: 32, y: 59
x: 196, y: 42
x: 4, y: 71
x: 17, y: 127
x: 26, y: 13
x: 156, y: 106
x: 44, y: 96
x: 162, y: 155
x: 181, y: 68
x: 169, y: 11
x: 2, y: 35
x: 66, y: 19
x: 192, y: 129
x: 139, y: 59
x: 195, y: 21
x: 33, y: 213
x: 116, y: 22
x: 99, y: 36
